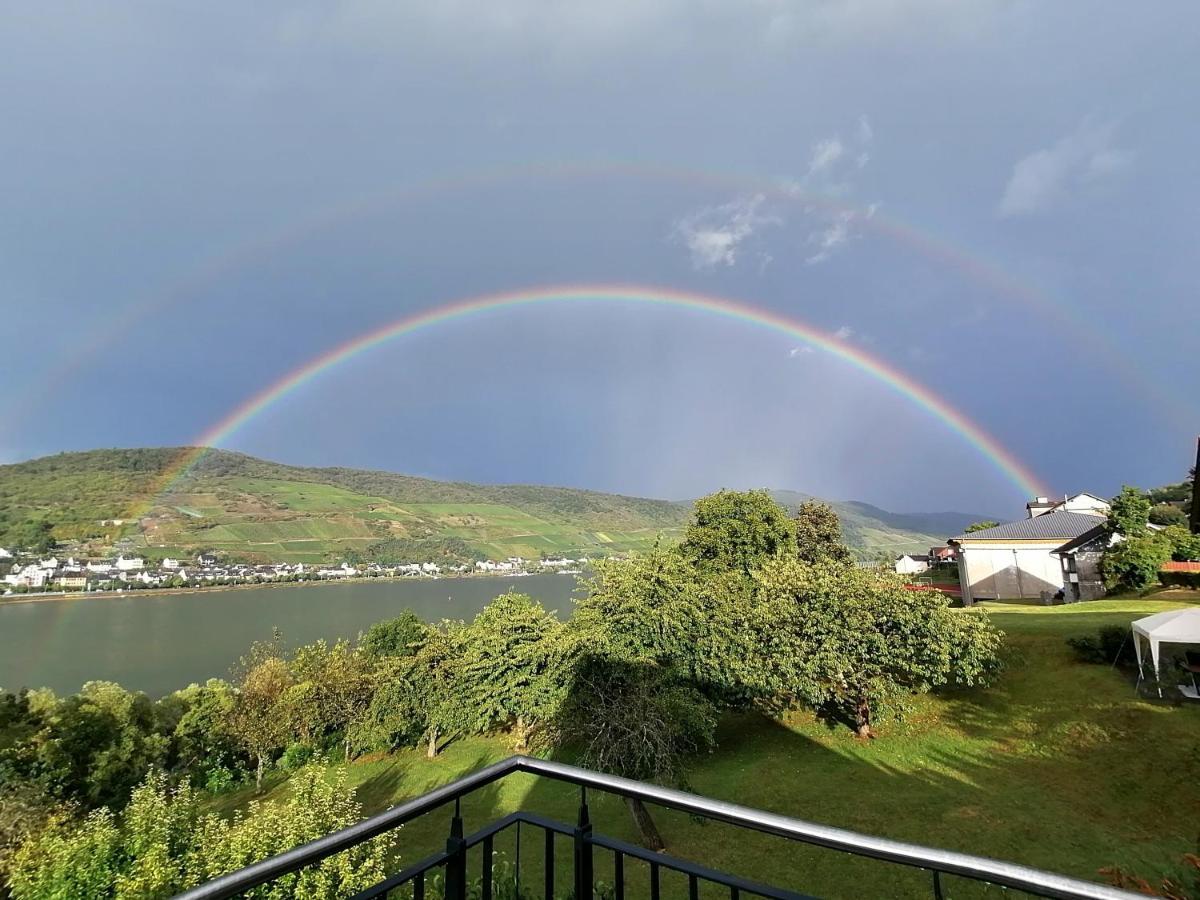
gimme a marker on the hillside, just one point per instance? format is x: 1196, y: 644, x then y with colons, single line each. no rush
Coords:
x: 254, y: 509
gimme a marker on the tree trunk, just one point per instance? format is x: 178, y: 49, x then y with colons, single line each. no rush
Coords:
x: 258, y: 773
x: 522, y: 743
x: 862, y: 718
x: 346, y: 744
x: 432, y: 748
x: 646, y: 828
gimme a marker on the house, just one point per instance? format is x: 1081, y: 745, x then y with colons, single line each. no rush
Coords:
x: 1080, y: 560
x: 939, y: 555
x: 1020, y: 560
x: 102, y: 567
x: 912, y: 564
x: 130, y: 563
x: 28, y: 576
x: 169, y: 563
x: 71, y: 580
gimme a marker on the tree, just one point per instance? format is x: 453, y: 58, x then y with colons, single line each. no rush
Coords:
x: 1129, y: 513
x: 980, y: 526
x: 737, y: 531
x: 855, y: 642
x: 331, y: 691
x: 401, y: 636
x: 636, y: 720
x: 259, y: 720
x: 92, y: 747
x: 202, y: 736
x: 1167, y: 514
x: 514, y: 665
x: 657, y: 608
x: 819, y: 533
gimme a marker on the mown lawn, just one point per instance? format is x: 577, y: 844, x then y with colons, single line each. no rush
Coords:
x: 1058, y: 766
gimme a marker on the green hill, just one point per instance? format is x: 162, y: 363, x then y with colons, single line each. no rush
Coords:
x: 253, y: 509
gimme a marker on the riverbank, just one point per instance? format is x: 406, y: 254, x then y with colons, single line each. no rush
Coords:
x: 160, y: 641
x: 47, y: 596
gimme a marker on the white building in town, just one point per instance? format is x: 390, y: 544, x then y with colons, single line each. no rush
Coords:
x: 912, y: 564
x: 1021, y: 559
x: 130, y: 563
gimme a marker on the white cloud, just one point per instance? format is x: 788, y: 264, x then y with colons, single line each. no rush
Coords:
x: 714, y: 235
x: 1047, y: 177
x: 832, y: 234
x: 824, y: 154
x: 844, y: 333
x: 802, y: 350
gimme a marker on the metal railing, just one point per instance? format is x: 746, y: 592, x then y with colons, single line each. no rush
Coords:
x: 453, y: 860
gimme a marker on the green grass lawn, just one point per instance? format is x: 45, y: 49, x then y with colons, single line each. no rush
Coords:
x: 1058, y: 766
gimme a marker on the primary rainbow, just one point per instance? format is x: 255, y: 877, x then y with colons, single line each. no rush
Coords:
x: 1003, y: 460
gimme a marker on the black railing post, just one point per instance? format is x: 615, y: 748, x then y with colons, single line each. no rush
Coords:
x: 456, y: 862
x: 583, y: 850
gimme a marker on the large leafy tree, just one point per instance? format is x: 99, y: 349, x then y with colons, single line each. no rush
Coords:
x: 94, y: 746
x: 738, y: 531
x: 1129, y: 513
x: 514, y: 665
x: 331, y: 693
x: 260, y: 719
x: 854, y: 642
x: 819, y: 534
x: 401, y: 636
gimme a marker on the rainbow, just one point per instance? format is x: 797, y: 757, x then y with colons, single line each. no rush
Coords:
x: 1173, y: 404
x: 1003, y: 460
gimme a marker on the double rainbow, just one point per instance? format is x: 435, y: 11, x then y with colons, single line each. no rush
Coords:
x: 1020, y: 476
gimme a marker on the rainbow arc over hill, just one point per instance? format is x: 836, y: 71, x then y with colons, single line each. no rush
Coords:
x: 1016, y: 472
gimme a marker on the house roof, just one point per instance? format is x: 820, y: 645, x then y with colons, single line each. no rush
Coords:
x: 1099, y: 533
x: 1058, y: 525
x: 1176, y: 566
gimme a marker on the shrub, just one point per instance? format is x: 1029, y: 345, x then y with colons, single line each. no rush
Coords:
x: 1180, y: 579
x: 295, y: 756
x: 1110, y: 644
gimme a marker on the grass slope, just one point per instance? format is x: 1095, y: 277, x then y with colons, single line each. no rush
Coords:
x: 1058, y: 766
x: 255, y: 509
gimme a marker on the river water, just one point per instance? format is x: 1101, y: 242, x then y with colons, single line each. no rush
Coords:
x: 159, y: 643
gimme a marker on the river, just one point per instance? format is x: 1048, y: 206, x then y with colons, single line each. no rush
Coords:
x: 161, y: 642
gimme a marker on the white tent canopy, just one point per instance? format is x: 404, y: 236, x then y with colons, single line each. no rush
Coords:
x: 1178, y: 626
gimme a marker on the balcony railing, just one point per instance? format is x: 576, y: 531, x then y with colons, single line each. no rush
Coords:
x: 539, y: 836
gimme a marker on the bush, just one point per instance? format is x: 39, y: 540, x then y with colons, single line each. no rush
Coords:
x: 295, y: 756
x: 1110, y: 644
x: 1180, y: 579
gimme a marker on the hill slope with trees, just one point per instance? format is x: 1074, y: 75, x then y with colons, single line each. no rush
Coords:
x: 255, y: 509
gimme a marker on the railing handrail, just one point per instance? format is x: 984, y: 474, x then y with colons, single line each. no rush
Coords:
x: 981, y: 868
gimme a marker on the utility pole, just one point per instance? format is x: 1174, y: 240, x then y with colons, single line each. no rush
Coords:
x: 1196, y: 492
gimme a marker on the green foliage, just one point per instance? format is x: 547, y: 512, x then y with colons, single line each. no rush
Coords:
x: 1129, y: 513
x: 819, y: 534
x: 204, y: 742
x: 514, y: 665
x: 1111, y: 644
x: 1167, y: 514
x: 738, y: 531
x: 635, y: 719
x: 92, y: 747
x: 980, y: 526
x: 1133, y: 564
x: 1185, y: 546
x: 855, y: 642
x: 164, y: 844
x: 261, y: 718
x: 401, y: 636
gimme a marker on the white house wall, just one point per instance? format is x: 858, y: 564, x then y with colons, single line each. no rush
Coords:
x: 1010, y: 570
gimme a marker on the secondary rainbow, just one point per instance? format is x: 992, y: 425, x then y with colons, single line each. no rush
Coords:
x: 923, y: 242
x: 1000, y: 457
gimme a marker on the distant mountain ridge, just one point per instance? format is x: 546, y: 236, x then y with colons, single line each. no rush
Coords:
x: 256, y: 509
